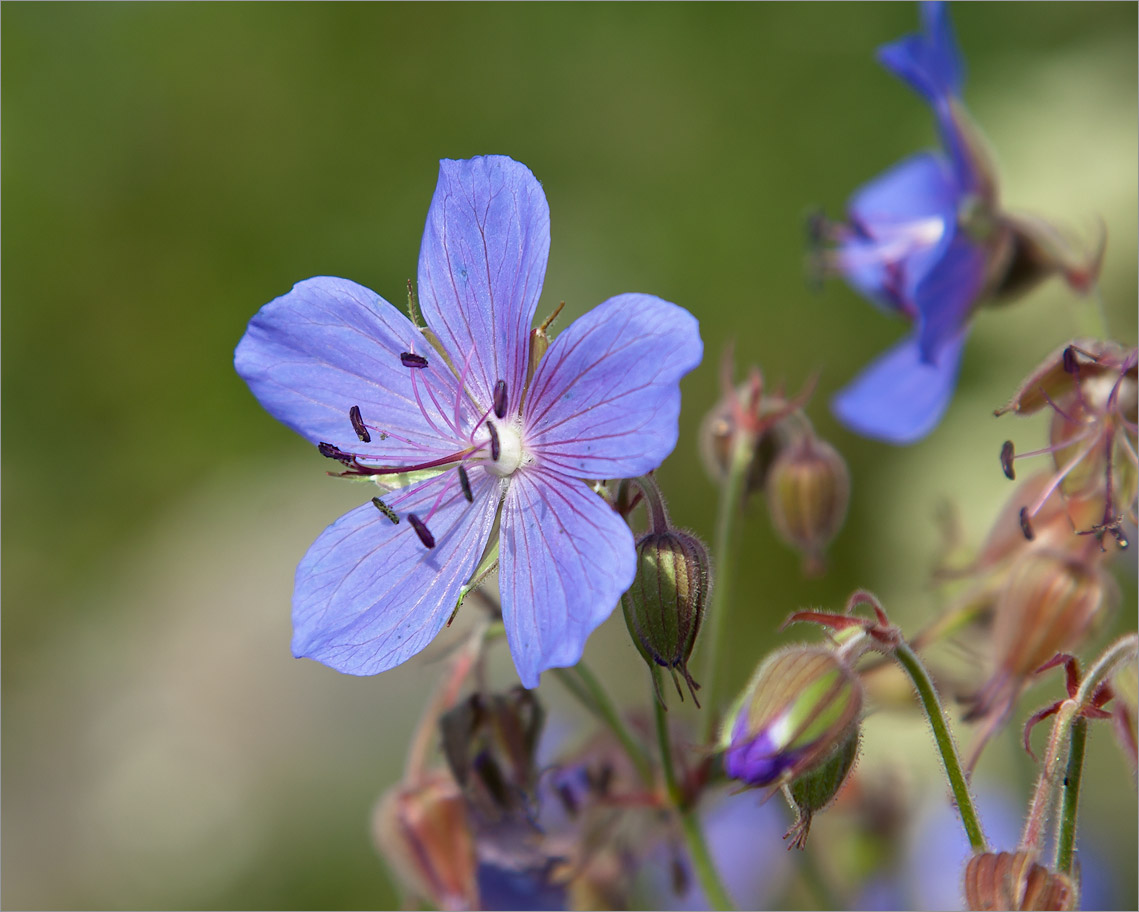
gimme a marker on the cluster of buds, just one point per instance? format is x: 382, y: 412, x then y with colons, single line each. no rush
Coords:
x: 796, y: 725
x: 804, y: 478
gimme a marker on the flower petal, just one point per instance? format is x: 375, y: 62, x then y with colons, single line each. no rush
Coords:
x: 898, y: 223
x: 330, y: 344
x: 481, y: 269
x: 566, y: 558
x: 369, y: 595
x: 901, y: 397
x: 929, y: 62
x: 605, y: 399
x: 946, y: 295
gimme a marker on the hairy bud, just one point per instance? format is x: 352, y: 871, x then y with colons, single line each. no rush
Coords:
x: 802, y: 705
x: 665, y: 605
x: 808, y: 490
x: 1002, y: 880
x: 423, y: 832
x: 1048, y: 603
x: 816, y: 788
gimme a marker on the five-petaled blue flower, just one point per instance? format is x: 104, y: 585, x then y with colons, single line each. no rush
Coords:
x: 918, y: 242
x: 464, y: 440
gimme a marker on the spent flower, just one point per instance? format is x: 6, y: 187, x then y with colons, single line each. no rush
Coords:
x: 464, y: 434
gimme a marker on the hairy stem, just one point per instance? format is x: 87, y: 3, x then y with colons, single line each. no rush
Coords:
x: 950, y: 760
x: 731, y: 496
x: 702, y: 863
x: 1066, y: 840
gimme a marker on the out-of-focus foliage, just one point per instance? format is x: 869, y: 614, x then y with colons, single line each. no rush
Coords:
x: 169, y: 168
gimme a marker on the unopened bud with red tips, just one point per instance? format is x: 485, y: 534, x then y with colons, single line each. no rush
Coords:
x: 423, y: 833
x: 808, y: 491
x: 664, y: 607
x: 803, y: 704
x: 1003, y: 880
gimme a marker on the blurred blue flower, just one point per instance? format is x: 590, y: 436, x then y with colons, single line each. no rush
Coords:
x: 450, y: 422
x: 915, y: 243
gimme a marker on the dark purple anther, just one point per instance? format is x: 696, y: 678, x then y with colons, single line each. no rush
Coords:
x: 1006, y: 460
x: 386, y: 510
x: 358, y: 424
x: 421, y: 530
x: 331, y: 452
x: 409, y: 359
x: 465, y: 484
x: 500, y: 398
x: 1025, y: 525
x: 1071, y: 365
x: 495, y: 449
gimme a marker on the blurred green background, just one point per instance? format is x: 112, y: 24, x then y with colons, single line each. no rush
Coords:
x: 169, y: 168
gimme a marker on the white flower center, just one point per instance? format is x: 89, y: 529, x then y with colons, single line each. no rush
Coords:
x: 509, y: 450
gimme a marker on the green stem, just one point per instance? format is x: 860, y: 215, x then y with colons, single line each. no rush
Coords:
x: 1062, y: 741
x: 731, y: 495
x: 1066, y: 840
x: 950, y: 760
x: 589, y: 691
x: 702, y: 863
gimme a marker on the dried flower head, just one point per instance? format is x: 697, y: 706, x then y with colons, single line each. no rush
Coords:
x: 1003, y: 880
x: 1091, y: 390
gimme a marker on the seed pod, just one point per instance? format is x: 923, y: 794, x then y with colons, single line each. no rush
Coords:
x: 423, y: 833
x: 816, y: 788
x: 802, y: 704
x: 808, y: 490
x: 1002, y: 880
x: 665, y: 605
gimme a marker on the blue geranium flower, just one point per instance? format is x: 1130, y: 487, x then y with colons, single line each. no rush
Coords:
x: 918, y: 242
x: 451, y: 424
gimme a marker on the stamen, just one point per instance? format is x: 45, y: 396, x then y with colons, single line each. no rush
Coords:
x: 410, y: 359
x: 421, y: 530
x: 1071, y: 365
x: 358, y: 424
x: 1025, y: 525
x: 500, y: 398
x: 465, y: 484
x: 1006, y: 460
x: 331, y: 452
x: 386, y: 510
x: 495, y: 448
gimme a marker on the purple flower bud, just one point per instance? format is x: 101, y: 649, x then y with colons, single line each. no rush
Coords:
x: 808, y: 490
x: 1002, y: 880
x: 802, y: 704
x: 665, y: 605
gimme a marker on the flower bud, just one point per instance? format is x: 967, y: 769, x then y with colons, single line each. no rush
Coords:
x: 815, y: 789
x: 801, y: 706
x: 1048, y: 603
x: 665, y: 605
x: 423, y: 832
x: 1002, y: 880
x: 808, y: 489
